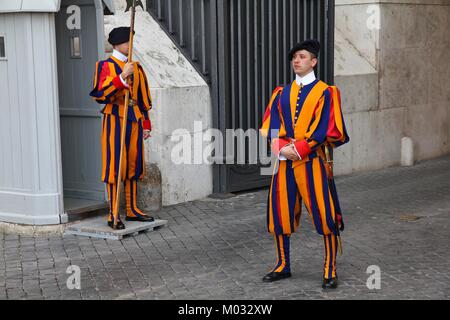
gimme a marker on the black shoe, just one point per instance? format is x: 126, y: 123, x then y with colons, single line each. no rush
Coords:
x: 140, y: 218
x: 120, y: 225
x: 330, y: 283
x: 276, y: 276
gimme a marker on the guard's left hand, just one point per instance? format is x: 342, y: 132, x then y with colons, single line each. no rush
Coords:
x: 147, y: 134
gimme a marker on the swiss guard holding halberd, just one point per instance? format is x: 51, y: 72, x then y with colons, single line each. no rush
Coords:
x: 304, y: 122
x: 110, y: 85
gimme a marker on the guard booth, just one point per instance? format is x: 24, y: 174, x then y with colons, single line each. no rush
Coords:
x: 50, y: 158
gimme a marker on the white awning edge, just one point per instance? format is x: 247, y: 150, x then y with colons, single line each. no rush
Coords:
x: 30, y: 6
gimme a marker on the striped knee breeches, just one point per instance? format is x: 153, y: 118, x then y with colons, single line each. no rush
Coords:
x: 306, y: 182
x: 133, y: 161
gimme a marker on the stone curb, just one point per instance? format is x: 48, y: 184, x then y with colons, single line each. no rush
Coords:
x: 32, y: 231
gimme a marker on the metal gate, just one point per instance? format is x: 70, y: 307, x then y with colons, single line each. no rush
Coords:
x: 240, y: 47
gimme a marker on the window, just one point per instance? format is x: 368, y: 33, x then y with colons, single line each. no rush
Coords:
x: 75, y: 46
x: 2, y: 47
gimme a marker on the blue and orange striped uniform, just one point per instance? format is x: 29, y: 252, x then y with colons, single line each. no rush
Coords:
x: 311, y: 119
x: 108, y: 89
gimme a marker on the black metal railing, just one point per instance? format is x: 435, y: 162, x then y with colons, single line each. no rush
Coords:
x: 240, y: 47
x: 188, y: 23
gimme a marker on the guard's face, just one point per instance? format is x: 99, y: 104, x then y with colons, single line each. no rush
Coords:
x: 123, y: 48
x: 303, y: 62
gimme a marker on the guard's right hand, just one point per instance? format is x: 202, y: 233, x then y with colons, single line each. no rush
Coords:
x: 127, y: 70
x: 289, y: 153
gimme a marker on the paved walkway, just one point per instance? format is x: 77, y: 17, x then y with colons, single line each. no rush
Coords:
x: 397, y: 219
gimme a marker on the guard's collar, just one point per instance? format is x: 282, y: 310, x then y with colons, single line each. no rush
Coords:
x: 119, y: 56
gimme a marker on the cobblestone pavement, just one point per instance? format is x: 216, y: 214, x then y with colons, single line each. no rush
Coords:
x: 397, y: 219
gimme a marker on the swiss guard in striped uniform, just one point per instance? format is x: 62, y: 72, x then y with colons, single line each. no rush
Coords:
x: 110, y: 85
x: 304, y: 123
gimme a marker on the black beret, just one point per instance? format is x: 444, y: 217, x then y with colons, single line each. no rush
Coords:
x: 312, y: 46
x: 119, y: 35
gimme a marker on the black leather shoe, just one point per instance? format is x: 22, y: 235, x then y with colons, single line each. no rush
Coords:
x: 276, y: 276
x: 141, y: 219
x: 330, y: 283
x: 120, y: 225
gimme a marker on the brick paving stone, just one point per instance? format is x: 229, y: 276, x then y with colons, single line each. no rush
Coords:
x: 219, y: 249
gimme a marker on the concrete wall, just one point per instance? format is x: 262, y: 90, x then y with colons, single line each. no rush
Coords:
x: 392, y: 67
x: 180, y: 97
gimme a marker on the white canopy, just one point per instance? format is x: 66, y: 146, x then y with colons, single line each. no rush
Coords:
x: 39, y: 5
x: 30, y: 6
